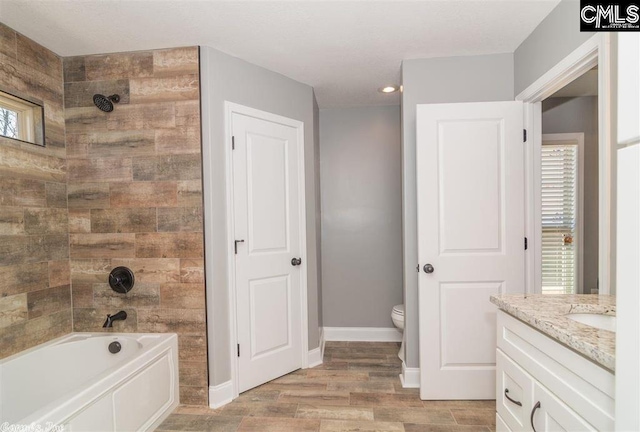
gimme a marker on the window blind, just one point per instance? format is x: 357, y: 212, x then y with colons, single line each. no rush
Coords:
x: 559, y: 218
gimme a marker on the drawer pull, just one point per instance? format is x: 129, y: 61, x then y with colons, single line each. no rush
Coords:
x: 533, y: 412
x: 513, y: 401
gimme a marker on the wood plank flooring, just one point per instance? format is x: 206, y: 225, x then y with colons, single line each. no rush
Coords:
x: 356, y: 389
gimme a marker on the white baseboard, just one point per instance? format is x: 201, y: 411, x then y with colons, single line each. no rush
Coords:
x: 220, y: 395
x: 410, y: 377
x: 317, y: 354
x: 362, y: 334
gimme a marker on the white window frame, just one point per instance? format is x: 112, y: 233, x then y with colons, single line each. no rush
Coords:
x: 24, y: 110
x: 576, y: 139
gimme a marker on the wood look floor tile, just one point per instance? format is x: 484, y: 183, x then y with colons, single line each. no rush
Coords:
x: 385, y: 399
x: 270, y: 424
x: 314, y: 397
x: 361, y: 386
x: 413, y: 415
x: 484, y: 417
x: 357, y: 388
x: 360, y: 426
x: 412, y: 427
x: 334, y: 412
x: 260, y: 409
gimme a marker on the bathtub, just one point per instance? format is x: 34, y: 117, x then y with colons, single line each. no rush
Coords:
x: 74, y: 383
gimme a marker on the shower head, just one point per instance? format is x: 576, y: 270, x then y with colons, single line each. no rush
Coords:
x: 105, y: 103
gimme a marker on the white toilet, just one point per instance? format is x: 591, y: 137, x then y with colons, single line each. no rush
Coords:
x: 397, y: 316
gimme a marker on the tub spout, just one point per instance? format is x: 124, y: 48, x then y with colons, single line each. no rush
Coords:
x: 120, y: 316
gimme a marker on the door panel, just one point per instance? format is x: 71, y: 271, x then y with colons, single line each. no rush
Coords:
x: 470, y: 164
x: 267, y: 211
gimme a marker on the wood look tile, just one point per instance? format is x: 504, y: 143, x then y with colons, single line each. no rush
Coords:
x: 192, y: 347
x: 152, y: 270
x: 412, y: 427
x: 21, y: 192
x: 169, y: 88
x: 334, y: 412
x: 7, y: 41
x: 59, y: 273
x: 384, y: 399
x: 180, y: 140
x: 176, y: 61
x: 483, y: 417
x: 260, y: 409
x: 314, y: 397
x: 27, y: 334
x: 48, y: 301
x: 21, y: 278
x: 56, y: 195
x: 142, y: 116
x: 85, y: 246
x: 119, y: 66
x: 38, y: 57
x: 269, y: 424
x: 192, y: 270
x: 413, y: 415
x: 143, y: 295
x: 462, y: 404
x: 144, y: 194
x: 258, y: 395
x: 73, y: 69
x: 80, y: 93
x: 177, y: 219
x: 199, y: 396
x: 90, y: 271
x: 100, y: 170
x: 88, y: 195
x: 125, y: 220
x: 361, y: 386
x: 32, y: 165
x: 193, y: 373
x: 11, y: 221
x: 188, y: 113
x: 169, y: 245
x: 184, y: 296
x: 79, y: 221
x: 190, y: 193
x: 92, y: 319
x: 182, y: 321
x: 46, y: 221
x: 13, y: 310
x: 122, y: 143
x: 172, y: 167
x: 336, y: 375
x: 359, y: 426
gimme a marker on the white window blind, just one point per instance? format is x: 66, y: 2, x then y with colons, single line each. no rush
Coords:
x: 559, y: 218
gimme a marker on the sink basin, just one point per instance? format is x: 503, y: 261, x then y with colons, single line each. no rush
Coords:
x: 599, y: 321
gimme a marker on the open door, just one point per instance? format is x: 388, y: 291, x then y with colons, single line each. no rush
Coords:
x: 470, y: 173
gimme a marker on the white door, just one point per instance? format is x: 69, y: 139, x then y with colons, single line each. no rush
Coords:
x: 268, y: 226
x: 471, y: 232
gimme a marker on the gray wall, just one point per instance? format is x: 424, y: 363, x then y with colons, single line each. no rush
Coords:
x: 226, y: 78
x: 361, y: 215
x: 554, y: 38
x: 318, y: 197
x: 438, y: 80
x: 580, y: 114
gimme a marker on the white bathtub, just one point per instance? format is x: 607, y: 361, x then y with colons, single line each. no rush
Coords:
x: 74, y: 383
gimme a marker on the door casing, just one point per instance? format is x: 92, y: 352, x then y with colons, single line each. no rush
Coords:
x: 595, y: 51
x: 231, y: 108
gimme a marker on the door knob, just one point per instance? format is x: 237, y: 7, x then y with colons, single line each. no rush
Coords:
x: 428, y: 268
x: 296, y: 261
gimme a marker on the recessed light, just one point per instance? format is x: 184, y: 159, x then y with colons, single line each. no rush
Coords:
x: 388, y: 89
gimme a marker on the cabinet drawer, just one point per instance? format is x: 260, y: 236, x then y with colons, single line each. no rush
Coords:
x: 583, y: 386
x: 553, y: 415
x: 514, y: 393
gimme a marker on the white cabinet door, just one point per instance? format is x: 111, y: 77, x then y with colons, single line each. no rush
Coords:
x: 470, y: 173
x: 514, y: 393
x: 549, y: 414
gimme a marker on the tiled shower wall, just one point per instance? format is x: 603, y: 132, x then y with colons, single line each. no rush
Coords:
x: 35, y: 298
x: 135, y: 199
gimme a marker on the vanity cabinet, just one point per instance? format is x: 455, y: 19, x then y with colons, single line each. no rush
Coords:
x: 544, y: 386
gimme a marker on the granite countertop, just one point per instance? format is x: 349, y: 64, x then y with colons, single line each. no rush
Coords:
x: 546, y: 313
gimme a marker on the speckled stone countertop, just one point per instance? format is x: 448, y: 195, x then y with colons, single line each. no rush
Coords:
x: 547, y: 313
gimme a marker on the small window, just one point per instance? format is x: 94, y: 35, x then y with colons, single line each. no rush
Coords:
x: 21, y: 119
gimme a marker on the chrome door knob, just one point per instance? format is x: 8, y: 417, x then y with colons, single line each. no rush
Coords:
x: 428, y: 268
x: 296, y: 261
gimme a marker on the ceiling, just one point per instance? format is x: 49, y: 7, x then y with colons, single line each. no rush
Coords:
x: 346, y: 50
